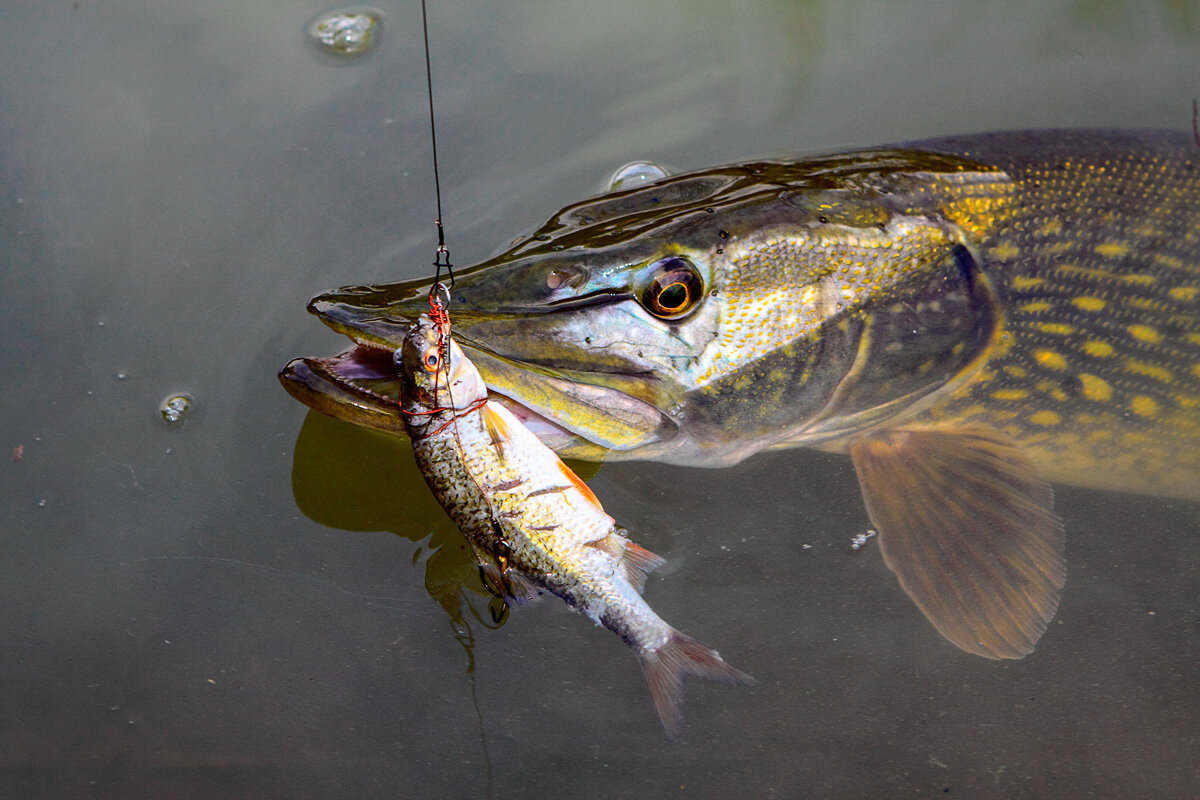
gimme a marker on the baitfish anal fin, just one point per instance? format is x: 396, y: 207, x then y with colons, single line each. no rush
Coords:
x: 968, y: 526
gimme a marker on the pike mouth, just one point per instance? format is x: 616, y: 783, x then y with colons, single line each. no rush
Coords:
x: 362, y: 385
x: 577, y: 411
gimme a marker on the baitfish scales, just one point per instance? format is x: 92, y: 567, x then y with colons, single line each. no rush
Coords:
x: 968, y: 318
x: 534, y: 524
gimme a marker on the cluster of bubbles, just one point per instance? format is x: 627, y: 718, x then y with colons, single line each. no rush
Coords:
x: 860, y: 539
x: 175, y: 408
x: 346, y: 32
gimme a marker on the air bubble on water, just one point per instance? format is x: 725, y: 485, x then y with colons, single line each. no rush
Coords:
x: 860, y: 539
x: 634, y: 174
x: 121, y: 376
x: 175, y: 408
x: 347, y: 32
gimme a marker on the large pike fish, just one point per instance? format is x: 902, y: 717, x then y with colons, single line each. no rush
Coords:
x: 969, y: 319
x: 533, y: 523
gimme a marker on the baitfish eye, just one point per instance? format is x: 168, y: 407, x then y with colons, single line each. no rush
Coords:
x: 674, y: 288
x: 432, y: 359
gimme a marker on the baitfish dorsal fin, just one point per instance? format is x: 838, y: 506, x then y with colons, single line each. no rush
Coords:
x: 969, y: 528
x: 498, y: 426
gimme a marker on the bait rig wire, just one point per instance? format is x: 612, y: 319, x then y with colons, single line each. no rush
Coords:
x: 439, y: 293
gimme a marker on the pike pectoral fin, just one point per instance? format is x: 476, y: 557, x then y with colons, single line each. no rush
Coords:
x: 969, y: 528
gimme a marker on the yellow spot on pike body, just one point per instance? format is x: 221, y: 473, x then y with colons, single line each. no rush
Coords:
x: 1184, y: 294
x: 1010, y: 394
x: 1145, y: 333
x: 1051, y: 359
x: 1112, y: 249
x: 1097, y: 348
x: 1051, y: 228
x: 1144, y: 406
x: 1151, y: 370
x: 1089, y: 303
x: 1045, y: 418
x: 1095, y: 388
x: 1168, y: 260
x: 1056, y: 328
x: 1024, y: 282
x: 1005, y: 251
x: 1053, y: 389
x: 1016, y: 370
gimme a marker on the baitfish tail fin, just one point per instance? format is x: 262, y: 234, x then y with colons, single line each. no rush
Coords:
x: 969, y: 529
x: 682, y: 657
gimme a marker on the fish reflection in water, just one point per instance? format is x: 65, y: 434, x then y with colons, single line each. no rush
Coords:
x: 969, y: 319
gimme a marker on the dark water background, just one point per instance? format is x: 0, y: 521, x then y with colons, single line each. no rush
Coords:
x: 251, y: 605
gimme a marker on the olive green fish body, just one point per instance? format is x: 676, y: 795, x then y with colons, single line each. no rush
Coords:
x: 1096, y: 266
x: 967, y: 318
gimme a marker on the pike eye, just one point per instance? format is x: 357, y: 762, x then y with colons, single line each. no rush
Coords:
x: 674, y: 289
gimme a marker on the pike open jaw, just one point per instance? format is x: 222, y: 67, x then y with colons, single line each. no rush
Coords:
x: 362, y: 385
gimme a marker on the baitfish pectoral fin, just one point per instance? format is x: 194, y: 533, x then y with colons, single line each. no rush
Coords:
x: 636, y: 561
x: 968, y: 527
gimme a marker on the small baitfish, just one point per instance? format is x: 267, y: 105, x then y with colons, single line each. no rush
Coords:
x: 534, y: 524
x: 969, y: 319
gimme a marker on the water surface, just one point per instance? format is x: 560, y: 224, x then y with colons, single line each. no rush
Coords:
x: 254, y: 602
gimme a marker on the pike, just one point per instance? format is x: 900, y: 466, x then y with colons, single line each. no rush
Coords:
x: 969, y: 319
x: 533, y: 523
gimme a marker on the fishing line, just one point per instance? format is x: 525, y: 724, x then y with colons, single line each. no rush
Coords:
x: 439, y: 293
x: 439, y: 312
x: 442, y: 256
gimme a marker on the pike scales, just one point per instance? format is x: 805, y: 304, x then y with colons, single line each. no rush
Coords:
x: 1101, y: 381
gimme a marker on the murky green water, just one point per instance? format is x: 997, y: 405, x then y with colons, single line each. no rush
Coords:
x: 252, y: 602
